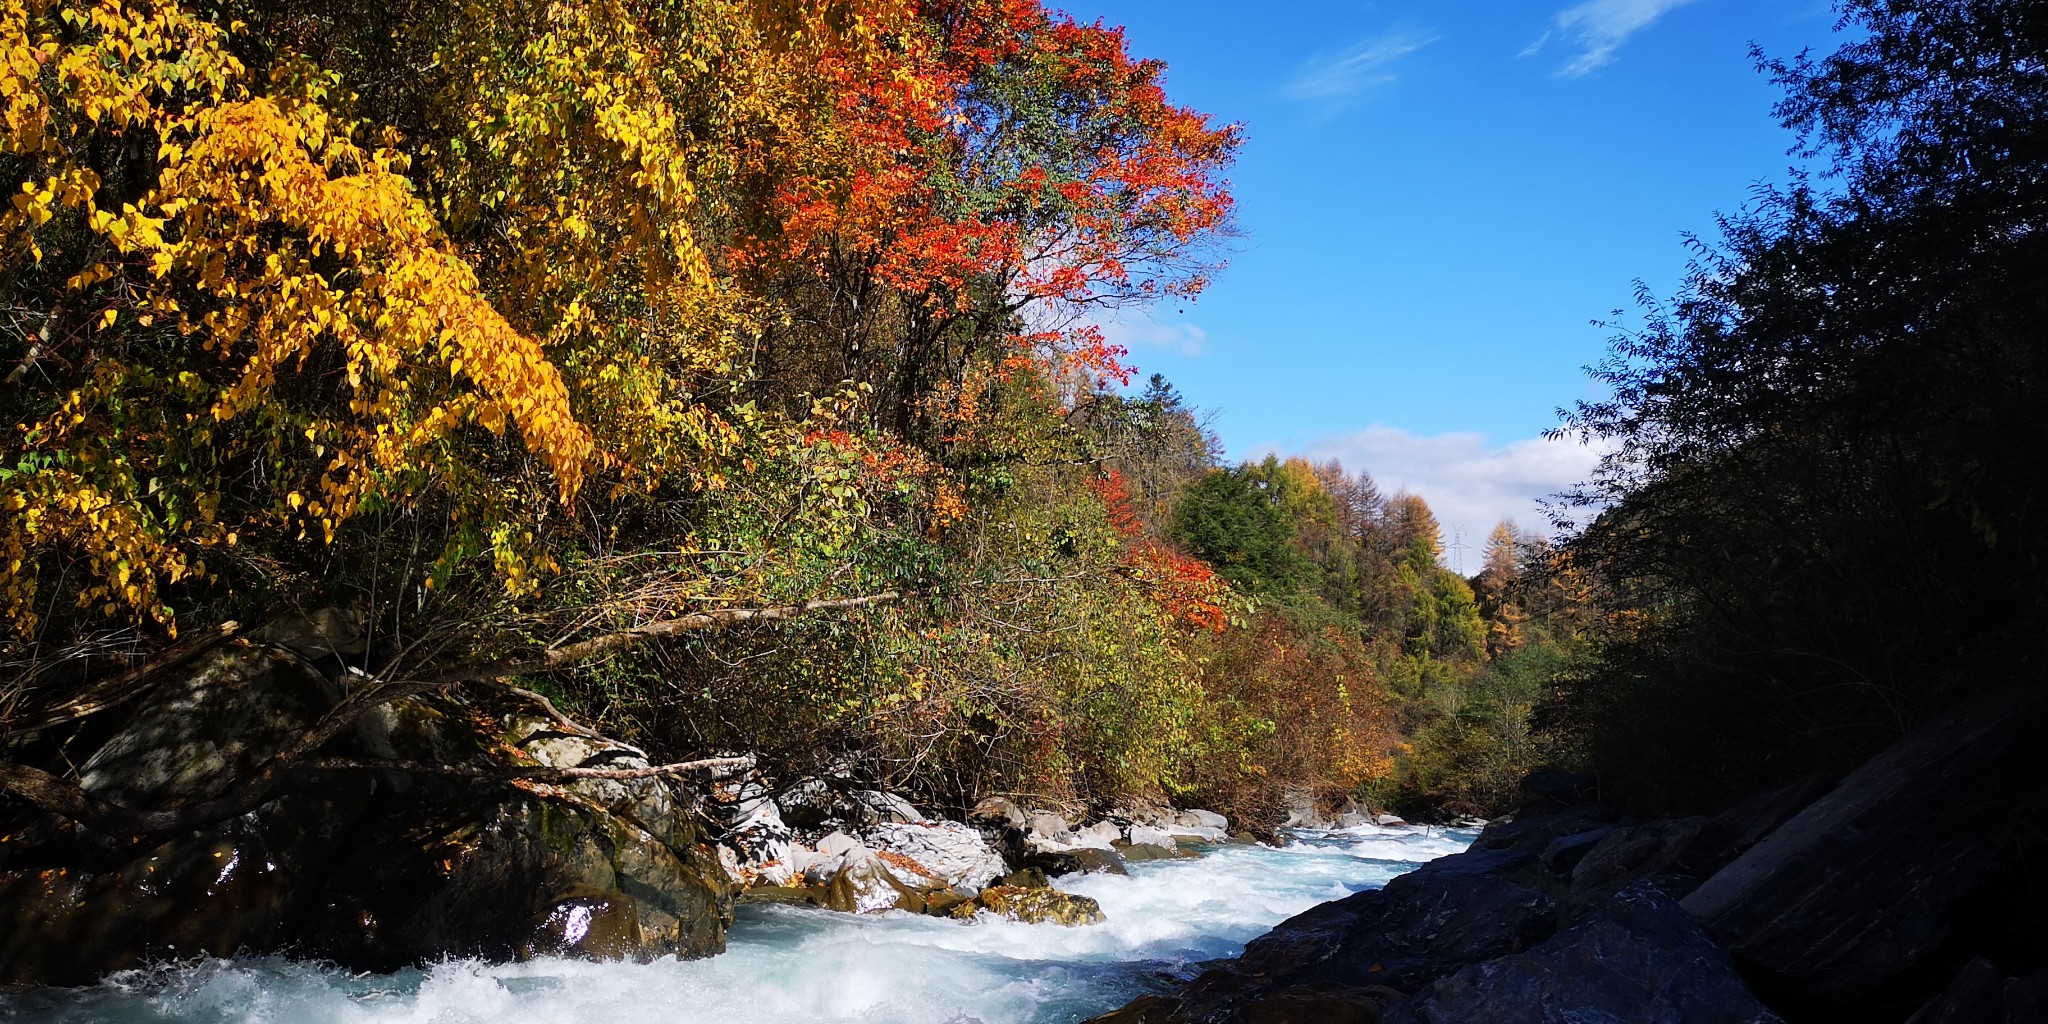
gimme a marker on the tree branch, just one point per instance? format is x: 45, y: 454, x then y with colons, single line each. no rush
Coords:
x: 67, y: 799
x: 121, y: 686
x: 539, y: 773
x: 560, y: 658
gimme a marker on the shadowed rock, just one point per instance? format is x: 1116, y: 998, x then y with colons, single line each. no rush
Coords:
x: 1861, y: 884
x: 1639, y: 960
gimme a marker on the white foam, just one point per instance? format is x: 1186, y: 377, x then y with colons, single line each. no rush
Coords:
x: 786, y: 965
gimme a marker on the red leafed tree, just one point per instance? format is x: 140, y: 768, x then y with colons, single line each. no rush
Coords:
x: 994, y: 174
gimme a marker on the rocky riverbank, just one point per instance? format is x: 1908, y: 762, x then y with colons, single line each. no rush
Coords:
x: 1916, y: 887
x: 483, y: 825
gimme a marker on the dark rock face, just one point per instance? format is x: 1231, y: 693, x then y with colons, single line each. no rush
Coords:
x: 1861, y: 884
x: 1352, y: 956
x: 1983, y: 994
x: 1639, y: 959
x: 79, y: 905
x: 373, y: 869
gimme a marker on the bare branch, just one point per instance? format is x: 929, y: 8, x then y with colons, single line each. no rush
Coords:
x: 696, y: 622
x: 540, y: 773
x: 69, y: 800
x: 121, y: 686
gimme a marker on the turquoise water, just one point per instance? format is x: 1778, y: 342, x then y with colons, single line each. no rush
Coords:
x: 786, y: 965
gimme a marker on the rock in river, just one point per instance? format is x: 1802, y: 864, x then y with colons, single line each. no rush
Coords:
x: 373, y: 869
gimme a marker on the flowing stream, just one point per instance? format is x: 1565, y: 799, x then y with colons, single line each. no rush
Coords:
x: 788, y: 964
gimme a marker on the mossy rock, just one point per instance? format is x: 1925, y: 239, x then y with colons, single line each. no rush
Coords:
x: 1033, y: 906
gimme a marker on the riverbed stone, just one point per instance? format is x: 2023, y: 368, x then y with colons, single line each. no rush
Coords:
x: 1033, y: 906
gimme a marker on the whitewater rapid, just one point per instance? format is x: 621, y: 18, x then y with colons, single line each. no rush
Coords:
x: 785, y: 965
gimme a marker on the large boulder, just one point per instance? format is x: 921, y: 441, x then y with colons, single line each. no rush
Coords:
x: 1861, y: 884
x: 78, y: 904
x: 1348, y: 958
x: 871, y: 881
x: 1983, y: 994
x: 951, y: 852
x: 597, y: 867
x: 1640, y: 959
x: 375, y: 869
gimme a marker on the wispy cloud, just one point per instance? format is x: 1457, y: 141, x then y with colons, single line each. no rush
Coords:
x: 1598, y: 28
x: 1344, y: 77
x: 1137, y: 330
x: 1469, y: 485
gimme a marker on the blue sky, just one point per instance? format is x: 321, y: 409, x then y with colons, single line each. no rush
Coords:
x: 1437, y: 199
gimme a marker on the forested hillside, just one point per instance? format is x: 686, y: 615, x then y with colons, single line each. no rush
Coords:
x: 493, y: 327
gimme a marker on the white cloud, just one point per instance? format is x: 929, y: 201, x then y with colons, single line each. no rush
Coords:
x: 1136, y: 330
x: 1598, y: 28
x: 1468, y: 485
x: 1368, y: 65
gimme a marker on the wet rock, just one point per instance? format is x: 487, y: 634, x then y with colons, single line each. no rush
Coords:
x: 955, y: 854
x: 78, y: 905
x: 1032, y: 906
x: 478, y: 867
x: 1146, y: 835
x: 1860, y: 885
x: 596, y: 926
x: 374, y: 869
x: 1343, y: 956
x: 1027, y: 878
x: 1090, y: 861
x: 942, y: 902
x: 1137, y: 853
x: 870, y: 882
x: 1640, y: 959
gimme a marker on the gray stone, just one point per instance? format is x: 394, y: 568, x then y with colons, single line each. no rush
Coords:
x: 1639, y: 960
x: 999, y: 812
x: 878, y: 807
x: 1858, y: 886
x: 956, y: 854
x: 1422, y: 926
x: 1146, y: 835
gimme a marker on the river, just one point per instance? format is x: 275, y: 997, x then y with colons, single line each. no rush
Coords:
x: 786, y: 965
